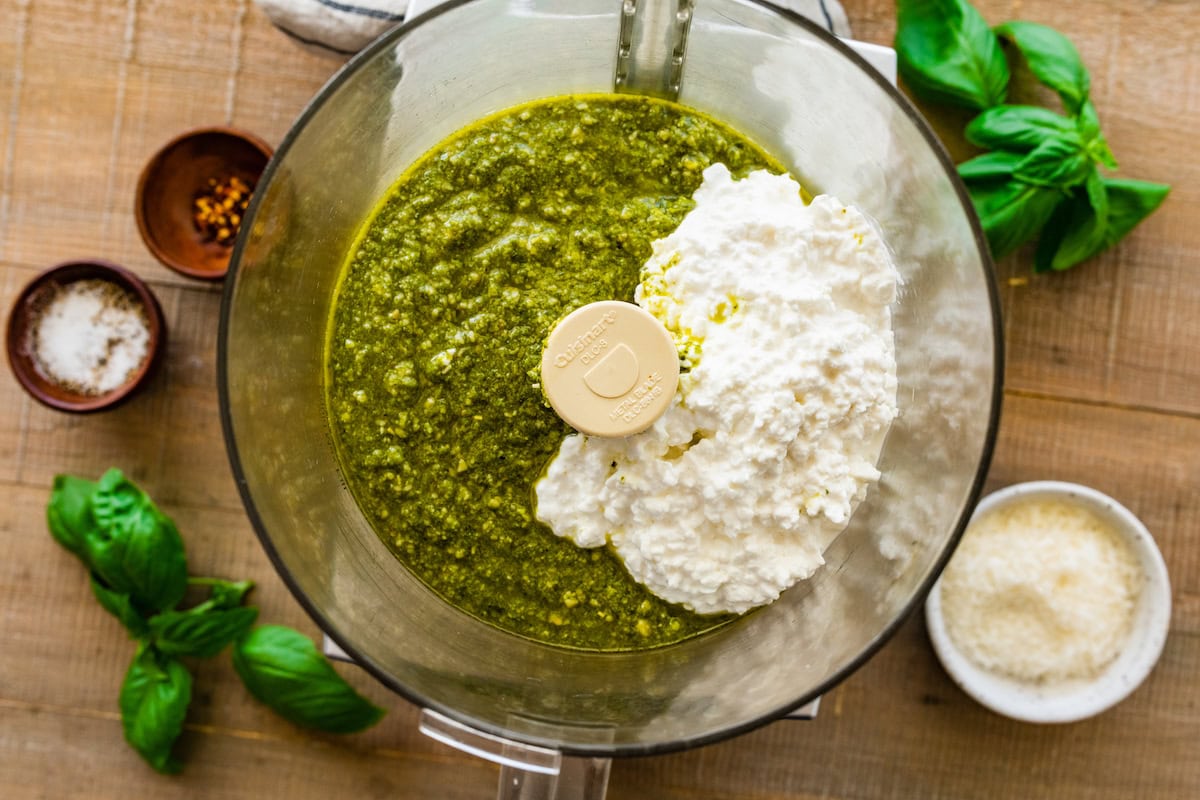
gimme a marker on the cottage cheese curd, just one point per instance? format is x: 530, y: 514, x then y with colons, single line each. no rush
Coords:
x: 781, y: 314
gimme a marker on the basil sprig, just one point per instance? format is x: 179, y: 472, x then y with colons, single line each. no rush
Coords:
x: 1043, y: 177
x: 138, y: 573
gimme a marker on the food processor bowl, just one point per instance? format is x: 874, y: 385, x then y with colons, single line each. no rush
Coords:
x: 840, y: 128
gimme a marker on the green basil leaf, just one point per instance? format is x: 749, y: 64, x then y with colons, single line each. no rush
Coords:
x: 135, y: 548
x: 1058, y: 162
x: 1129, y: 202
x: 1017, y: 128
x: 1091, y: 222
x: 1088, y: 125
x: 120, y: 606
x: 1054, y: 232
x: 116, y: 497
x: 69, y: 513
x: 998, y: 164
x: 1076, y: 230
x: 202, y: 631
x: 154, y: 701
x: 284, y: 670
x: 1052, y: 58
x: 947, y: 53
x: 1011, y: 211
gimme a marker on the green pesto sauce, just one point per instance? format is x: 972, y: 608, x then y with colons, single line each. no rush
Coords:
x: 436, y: 338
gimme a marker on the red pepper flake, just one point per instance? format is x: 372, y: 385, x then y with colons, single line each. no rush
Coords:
x: 217, y: 211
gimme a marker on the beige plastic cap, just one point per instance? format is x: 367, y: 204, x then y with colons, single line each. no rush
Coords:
x: 610, y: 369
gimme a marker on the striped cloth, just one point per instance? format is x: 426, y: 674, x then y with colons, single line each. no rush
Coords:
x: 332, y: 26
x: 343, y: 27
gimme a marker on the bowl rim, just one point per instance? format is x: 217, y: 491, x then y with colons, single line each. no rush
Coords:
x: 150, y: 171
x: 86, y: 269
x: 683, y: 743
x: 1069, y: 701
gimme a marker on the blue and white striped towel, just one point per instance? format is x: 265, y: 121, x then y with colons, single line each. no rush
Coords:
x: 333, y: 26
x: 343, y: 27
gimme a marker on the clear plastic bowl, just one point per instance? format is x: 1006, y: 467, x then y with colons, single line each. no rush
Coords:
x: 840, y: 128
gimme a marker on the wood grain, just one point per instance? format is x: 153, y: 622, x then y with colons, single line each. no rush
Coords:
x: 1103, y: 388
x: 51, y: 754
x: 14, y: 403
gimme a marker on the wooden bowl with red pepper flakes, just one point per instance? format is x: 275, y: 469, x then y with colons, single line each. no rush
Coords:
x: 192, y: 197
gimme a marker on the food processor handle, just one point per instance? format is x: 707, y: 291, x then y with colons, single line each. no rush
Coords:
x: 577, y: 779
x: 527, y: 772
x: 651, y: 46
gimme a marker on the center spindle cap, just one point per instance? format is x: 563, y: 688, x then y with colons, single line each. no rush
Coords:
x: 610, y: 369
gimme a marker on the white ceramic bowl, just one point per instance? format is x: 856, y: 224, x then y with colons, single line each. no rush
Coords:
x: 1068, y: 701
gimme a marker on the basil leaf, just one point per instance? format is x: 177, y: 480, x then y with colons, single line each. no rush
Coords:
x: 69, y: 513
x: 1091, y: 222
x: 202, y: 631
x: 135, y: 548
x: 116, y: 498
x: 1052, y: 58
x: 284, y: 670
x: 1011, y: 211
x: 1076, y: 230
x: 948, y: 54
x: 1088, y: 125
x: 154, y: 701
x: 990, y: 165
x: 1017, y: 128
x: 1129, y: 202
x: 1059, y: 162
x: 1055, y: 231
x: 120, y: 606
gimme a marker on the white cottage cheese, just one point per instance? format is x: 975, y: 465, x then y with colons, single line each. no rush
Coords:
x: 781, y: 314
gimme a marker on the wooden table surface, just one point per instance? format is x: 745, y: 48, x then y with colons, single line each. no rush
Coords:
x: 1103, y: 387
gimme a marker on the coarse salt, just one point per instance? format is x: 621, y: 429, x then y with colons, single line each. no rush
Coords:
x: 91, y: 336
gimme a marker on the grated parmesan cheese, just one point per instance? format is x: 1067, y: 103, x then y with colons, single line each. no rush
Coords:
x: 1041, y: 591
x: 91, y: 336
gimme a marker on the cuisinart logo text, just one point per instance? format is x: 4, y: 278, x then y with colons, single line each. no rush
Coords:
x: 586, y: 342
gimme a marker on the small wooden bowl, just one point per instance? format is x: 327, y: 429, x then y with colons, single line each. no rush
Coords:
x: 30, y: 302
x: 170, y: 183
